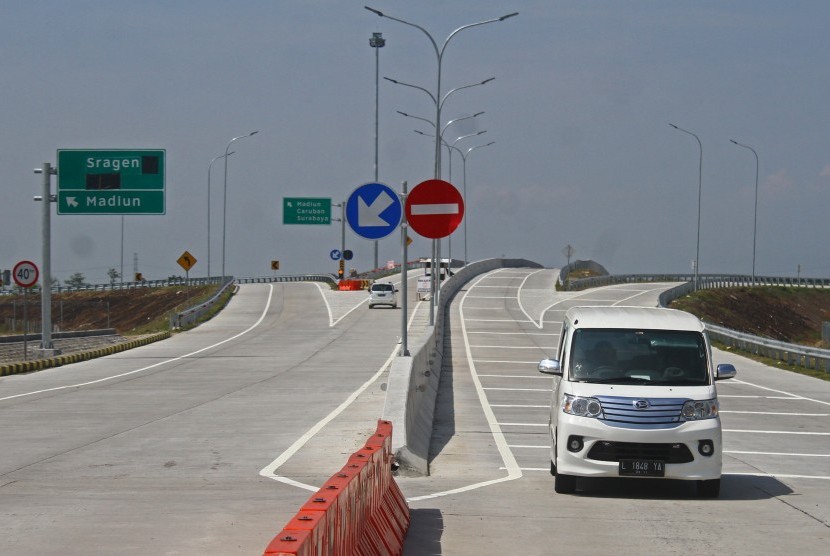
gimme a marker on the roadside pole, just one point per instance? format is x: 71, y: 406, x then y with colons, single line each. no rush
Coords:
x: 46, y: 347
x: 404, y: 306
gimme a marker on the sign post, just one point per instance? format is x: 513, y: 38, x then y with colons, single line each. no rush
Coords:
x: 25, y: 275
x: 113, y: 181
x: 434, y: 209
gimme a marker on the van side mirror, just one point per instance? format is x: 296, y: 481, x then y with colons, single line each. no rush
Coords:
x: 726, y: 370
x: 550, y: 367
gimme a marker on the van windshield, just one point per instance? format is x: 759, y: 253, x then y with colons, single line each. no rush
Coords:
x: 382, y: 287
x: 626, y: 356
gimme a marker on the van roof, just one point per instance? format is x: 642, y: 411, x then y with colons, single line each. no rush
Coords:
x: 645, y: 318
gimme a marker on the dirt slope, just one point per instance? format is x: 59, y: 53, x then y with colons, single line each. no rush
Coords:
x: 785, y: 314
x: 128, y: 311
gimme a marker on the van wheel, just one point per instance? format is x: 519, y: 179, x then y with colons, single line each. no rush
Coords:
x: 564, y: 484
x: 552, y: 468
x: 708, y: 489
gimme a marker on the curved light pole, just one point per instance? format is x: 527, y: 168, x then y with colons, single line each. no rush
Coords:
x: 755, y: 220
x: 225, y: 196
x: 377, y: 42
x: 214, y: 159
x: 699, y: 191
x: 439, y: 103
x: 450, y: 147
x: 439, y: 54
x: 464, y: 159
x: 444, y: 129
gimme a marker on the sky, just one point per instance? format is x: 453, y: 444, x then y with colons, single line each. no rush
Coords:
x: 579, y: 114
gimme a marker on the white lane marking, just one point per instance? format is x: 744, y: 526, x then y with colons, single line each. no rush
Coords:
x: 326, y: 301
x: 497, y: 320
x: 521, y: 305
x: 524, y: 406
x: 507, y: 362
x: 777, y: 454
x: 779, y: 476
x: 510, y: 464
x: 333, y: 322
x: 798, y: 433
x: 520, y: 389
x: 269, y: 471
x: 540, y: 377
x: 513, y: 333
x: 735, y: 380
x: 154, y: 365
x: 515, y: 347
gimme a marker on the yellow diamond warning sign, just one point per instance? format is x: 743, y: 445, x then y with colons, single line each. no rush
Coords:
x: 186, y: 261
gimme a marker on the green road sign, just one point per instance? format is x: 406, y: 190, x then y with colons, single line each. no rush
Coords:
x: 301, y: 210
x: 111, y: 181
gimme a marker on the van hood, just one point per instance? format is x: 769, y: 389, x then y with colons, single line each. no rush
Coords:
x: 585, y: 389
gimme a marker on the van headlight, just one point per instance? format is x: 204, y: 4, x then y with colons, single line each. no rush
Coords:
x: 695, y: 410
x: 582, y: 407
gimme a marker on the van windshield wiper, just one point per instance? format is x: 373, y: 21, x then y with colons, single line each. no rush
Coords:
x: 619, y: 380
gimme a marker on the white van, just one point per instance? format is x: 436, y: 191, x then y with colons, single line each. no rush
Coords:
x: 634, y: 396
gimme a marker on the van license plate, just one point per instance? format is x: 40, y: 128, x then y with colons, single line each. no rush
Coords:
x: 642, y: 468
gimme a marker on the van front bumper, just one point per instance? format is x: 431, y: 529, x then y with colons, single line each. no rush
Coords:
x: 601, y: 447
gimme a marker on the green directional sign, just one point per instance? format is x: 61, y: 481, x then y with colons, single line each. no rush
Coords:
x: 304, y: 210
x: 114, y: 181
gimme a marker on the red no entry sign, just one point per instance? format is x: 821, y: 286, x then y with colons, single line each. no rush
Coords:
x: 434, y: 209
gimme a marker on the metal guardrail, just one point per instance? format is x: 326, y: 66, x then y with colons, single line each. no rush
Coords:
x: 328, y: 278
x: 124, y: 285
x: 793, y: 354
x: 706, y: 280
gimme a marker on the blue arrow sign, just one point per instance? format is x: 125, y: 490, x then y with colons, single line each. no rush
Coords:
x: 335, y: 254
x: 374, y: 211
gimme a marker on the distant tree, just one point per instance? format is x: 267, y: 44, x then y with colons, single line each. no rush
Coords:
x: 77, y: 280
x: 114, y: 275
x: 175, y: 278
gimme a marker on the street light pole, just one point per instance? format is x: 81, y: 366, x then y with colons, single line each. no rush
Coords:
x: 215, y: 158
x: 377, y: 42
x: 439, y: 54
x: 755, y: 220
x: 699, y: 194
x: 464, y: 155
x: 225, y: 196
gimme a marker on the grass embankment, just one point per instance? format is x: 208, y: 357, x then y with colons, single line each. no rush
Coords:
x: 793, y: 315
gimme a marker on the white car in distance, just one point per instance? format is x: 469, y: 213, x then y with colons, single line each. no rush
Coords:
x: 383, y: 293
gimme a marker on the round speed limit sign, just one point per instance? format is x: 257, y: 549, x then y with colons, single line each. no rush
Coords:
x: 25, y: 274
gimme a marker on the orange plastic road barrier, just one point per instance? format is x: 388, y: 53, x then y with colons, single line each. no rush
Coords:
x: 359, y: 511
x: 353, y: 285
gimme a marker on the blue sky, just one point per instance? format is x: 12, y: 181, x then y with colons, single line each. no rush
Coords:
x: 579, y: 113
